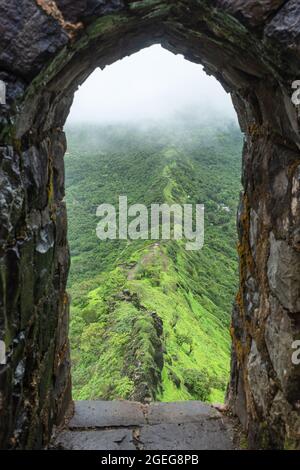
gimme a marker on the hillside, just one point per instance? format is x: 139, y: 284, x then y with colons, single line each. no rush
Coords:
x: 150, y: 320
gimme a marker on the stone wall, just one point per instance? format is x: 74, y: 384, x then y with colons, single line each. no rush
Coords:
x: 48, y: 48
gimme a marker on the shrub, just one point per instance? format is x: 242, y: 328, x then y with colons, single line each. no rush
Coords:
x: 198, y: 383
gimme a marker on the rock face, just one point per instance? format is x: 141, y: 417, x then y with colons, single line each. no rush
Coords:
x: 47, y: 49
x: 284, y: 274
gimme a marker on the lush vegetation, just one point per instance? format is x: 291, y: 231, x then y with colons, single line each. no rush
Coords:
x: 150, y: 320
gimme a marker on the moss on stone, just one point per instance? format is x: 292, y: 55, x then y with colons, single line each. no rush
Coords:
x: 291, y: 444
x: 106, y: 24
x: 138, y: 6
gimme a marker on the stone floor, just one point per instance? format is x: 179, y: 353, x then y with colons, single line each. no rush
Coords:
x: 123, y: 425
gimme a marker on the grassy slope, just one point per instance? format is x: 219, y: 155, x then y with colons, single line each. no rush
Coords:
x: 122, y: 290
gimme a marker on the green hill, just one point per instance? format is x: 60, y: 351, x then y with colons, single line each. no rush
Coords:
x: 150, y: 320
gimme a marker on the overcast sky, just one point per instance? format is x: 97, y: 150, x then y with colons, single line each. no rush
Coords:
x: 151, y: 84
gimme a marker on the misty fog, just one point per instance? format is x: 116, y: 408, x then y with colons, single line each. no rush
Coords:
x: 151, y: 85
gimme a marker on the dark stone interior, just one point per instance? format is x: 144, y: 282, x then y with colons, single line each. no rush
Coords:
x: 47, y: 49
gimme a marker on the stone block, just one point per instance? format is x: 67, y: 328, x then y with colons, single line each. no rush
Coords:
x: 284, y: 274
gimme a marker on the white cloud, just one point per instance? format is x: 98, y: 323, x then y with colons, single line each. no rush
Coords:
x: 151, y: 84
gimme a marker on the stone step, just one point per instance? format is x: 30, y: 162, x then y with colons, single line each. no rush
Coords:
x: 180, y: 412
x: 103, y: 414
x: 125, y: 425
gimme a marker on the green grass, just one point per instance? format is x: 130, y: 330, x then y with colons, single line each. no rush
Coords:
x: 150, y: 321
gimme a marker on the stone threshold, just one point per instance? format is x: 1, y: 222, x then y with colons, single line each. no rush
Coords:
x: 125, y: 425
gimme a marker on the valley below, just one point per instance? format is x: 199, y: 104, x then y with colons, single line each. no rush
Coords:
x: 150, y: 320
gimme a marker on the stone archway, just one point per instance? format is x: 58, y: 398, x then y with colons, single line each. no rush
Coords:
x: 47, y: 49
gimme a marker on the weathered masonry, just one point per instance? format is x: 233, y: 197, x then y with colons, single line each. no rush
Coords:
x: 47, y: 49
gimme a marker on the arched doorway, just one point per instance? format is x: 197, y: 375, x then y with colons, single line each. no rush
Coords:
x: 253, y: 57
